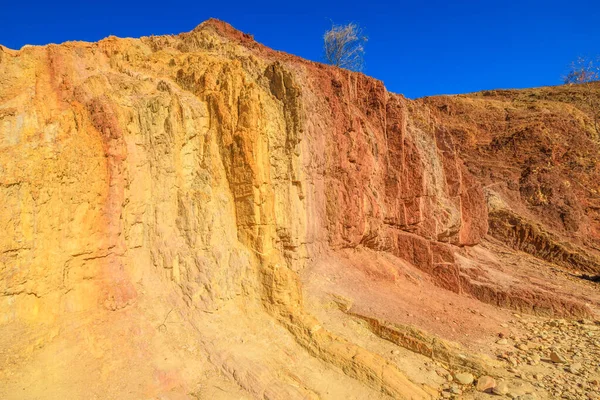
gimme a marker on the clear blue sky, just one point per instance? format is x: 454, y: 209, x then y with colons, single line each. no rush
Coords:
x: 417, y: 48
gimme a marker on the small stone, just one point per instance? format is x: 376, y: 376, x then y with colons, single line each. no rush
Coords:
x: 522, y: 347
x: 500, y: 389
x: 575, y: 368
x: 528, y: 396
x: 502, y: 341
x: 455, y: 390
x: 485, y: 383
x: 557, y: 358
x: 464, y: 378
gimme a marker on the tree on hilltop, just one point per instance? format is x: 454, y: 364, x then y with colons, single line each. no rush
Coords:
x: 344, y: 46
x: 585, y: 72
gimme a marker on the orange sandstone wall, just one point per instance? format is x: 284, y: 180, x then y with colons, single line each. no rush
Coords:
x: 189, y: 156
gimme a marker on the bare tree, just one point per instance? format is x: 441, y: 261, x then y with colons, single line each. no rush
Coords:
x: 585, y: 72
x: 344, y: 46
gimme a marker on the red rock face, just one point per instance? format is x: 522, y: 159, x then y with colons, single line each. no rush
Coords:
x: 392, y: 182
x: 536, y: 152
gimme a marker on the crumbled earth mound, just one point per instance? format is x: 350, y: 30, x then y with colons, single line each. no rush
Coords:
x: 198, y: 216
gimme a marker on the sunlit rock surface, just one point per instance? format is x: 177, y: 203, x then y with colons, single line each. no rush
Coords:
x: 198, y: 216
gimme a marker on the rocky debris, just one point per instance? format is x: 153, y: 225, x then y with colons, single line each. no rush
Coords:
x: 560, y: 358
x: 452, y: 391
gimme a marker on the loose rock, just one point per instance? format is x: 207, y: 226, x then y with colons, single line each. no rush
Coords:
x: 575, y: 368
x: 485, y: 384
x: 557, y: 358
x: 522, y: 347
x: 455, y: 390
x: 464, y: 378
x: 500, y: 389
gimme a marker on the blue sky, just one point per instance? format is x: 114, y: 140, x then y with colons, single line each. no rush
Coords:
x: 417, y: 48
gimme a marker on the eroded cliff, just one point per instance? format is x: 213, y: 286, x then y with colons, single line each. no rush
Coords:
x: 200, y: 216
